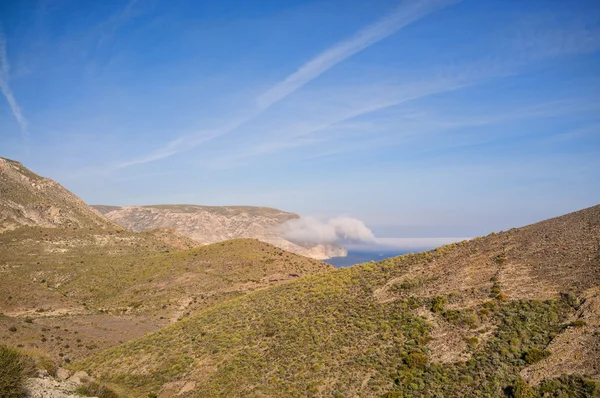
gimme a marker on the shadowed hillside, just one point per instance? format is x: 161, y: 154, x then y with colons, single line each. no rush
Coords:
x: 514, y: 313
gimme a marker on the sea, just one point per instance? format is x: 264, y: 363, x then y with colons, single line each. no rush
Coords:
x: 357, y: 257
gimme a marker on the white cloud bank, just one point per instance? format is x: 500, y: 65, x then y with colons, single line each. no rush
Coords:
x: 354, y: 235
x: 310, y: 230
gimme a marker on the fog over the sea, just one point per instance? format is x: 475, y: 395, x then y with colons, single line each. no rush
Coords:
x: 353, y: 234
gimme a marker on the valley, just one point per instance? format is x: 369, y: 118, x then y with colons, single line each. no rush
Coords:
x: 158, y: 313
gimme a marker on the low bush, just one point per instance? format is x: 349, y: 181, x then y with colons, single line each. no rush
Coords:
x: 520, y: 389
x: 568, y: 386
x: 417, y: 360
x: 406, y: 285
x: 95, y: 389
x: 535, y: 355
x: 13, y: 369
x: 578, y: 323
x: 438, y: 304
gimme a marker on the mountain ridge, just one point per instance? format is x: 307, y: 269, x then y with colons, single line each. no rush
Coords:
x: 212, y: 224
x: 29, y: 199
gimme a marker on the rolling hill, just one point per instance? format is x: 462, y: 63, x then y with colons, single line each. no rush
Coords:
x: 514, y: 313
x: 106, y: 289
x: 78, y: 283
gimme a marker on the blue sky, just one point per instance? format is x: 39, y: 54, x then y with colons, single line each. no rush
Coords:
x: 422, y: 118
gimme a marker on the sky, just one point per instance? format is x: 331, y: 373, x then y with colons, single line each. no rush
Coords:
x: 423, y: 119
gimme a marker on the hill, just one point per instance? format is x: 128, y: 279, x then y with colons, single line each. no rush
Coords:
x: 77, y: 283
x: 31, y: 200
x: 212, y: 224
x: 514, y: 313
x: 124, y: 283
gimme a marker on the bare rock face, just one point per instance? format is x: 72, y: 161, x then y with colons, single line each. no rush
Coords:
x: 61, y: 386
x: 31, y: 200
x: 212, y: 224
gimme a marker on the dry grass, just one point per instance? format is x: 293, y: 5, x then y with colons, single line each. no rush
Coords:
x: 100, y: 288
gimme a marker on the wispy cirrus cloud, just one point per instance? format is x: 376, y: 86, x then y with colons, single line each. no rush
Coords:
x: 532, y: 46
x: 520, y: 46
x: 7, y: 91
x: 110, y: 26
x: 403, y: 15
x: 180, y: 144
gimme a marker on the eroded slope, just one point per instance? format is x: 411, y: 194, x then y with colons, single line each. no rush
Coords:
x: 26, y: 199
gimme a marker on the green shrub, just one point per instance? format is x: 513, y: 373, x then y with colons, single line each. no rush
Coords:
x: 571, y: 299
x: 38, y: 360
x: 524, y: 329
x: 394, y: 394
x: 521, y: 390
x: 464, y: 318
x: 568, y: 386
x: 535, y: 355
x: 95, y: 389
x: 578, y: 323
x: 406, y: 285
x: 500, y: 259
x: 12, y: 373
x: 417, y: 360
x: 472, y: 341
x: 438, y: 304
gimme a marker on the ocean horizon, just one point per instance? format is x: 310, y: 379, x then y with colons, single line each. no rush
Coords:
x: 364, y: 256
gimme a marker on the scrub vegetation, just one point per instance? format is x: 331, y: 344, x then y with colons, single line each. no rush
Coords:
x: 364, y: 331
x: 14, y: 368
x: 513, y: 314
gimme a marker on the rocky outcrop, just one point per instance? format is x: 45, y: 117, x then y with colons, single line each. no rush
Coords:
x: 63, y: 385
x: 31, y: 200
x: 212, y: 224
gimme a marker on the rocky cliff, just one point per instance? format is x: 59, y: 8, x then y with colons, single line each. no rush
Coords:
x: 211, y: 224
